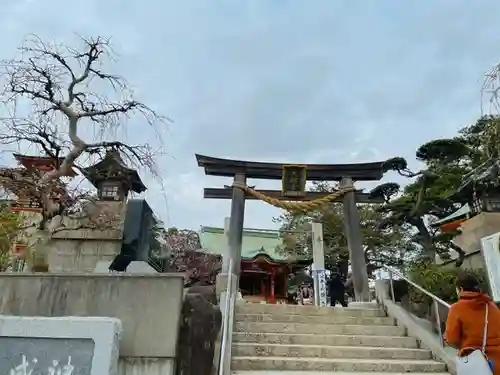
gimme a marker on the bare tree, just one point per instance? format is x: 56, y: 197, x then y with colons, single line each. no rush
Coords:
x: 490, y: 91
x: 51, y: 100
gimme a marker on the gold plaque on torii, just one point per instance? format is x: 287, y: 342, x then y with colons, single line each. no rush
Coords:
x: 294, y: 181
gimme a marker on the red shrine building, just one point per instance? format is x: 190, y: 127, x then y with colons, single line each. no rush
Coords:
x: 264, y: 270
x: 24, y: 202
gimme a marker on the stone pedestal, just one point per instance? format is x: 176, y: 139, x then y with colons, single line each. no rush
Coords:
x: 77, y: 245
x: 81, y: 250
x: 221, y: 284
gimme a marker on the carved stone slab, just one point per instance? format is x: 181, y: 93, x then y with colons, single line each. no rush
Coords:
x: 64, y: 345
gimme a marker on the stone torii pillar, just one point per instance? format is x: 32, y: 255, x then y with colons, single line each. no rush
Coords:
x: 355, y: 242
x: 233, y: 228
x: 236, y: 222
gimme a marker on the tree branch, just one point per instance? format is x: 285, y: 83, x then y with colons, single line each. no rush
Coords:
x: 54, y: 82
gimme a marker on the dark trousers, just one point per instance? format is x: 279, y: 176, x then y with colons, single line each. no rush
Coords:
x: 340, y: 298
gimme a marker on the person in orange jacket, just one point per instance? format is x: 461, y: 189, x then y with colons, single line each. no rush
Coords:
x: 466, y: 318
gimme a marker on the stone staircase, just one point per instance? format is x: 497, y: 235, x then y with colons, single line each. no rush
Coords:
x: 276, y: 339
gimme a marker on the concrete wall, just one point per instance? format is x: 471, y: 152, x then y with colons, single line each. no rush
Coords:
x: 472, y: 261
x: 477, y: 227
x: 472, y: 231
x: 149, y: 307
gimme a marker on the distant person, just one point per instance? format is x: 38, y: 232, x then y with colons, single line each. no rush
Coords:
x: 336, y: 289
x: 306, y: 294
x: 466, y: 322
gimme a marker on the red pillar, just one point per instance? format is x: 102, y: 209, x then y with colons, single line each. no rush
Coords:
x: 285, y: 288
x: 272, y: 298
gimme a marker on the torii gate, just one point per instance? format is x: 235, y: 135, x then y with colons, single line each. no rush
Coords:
x: 293, y: 196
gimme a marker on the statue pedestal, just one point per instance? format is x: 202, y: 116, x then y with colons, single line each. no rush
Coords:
x: 87, y: 241
x: 81, y: 250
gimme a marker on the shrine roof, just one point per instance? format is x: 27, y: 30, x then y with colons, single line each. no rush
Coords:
x: 29, y: 161
x: 461, y: 213
x: 255, y: 243
x: 274, y: 171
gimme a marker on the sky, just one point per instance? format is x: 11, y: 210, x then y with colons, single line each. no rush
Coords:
x: 279, y: 80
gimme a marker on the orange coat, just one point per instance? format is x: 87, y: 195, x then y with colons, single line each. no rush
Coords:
x: 465, y: 325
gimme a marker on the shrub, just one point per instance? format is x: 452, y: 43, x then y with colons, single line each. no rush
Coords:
x: 438, y: 280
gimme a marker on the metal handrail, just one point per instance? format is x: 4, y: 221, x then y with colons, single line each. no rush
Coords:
x: 227, y: 324
x: 399, y: 274
x: 436, y: 300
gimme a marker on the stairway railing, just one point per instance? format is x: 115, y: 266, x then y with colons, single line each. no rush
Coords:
x: 229, y: 301
x: 436, y: 301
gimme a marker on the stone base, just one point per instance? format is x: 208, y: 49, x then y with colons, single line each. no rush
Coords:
x: 221, y: 289
x: 68, y: 344
x: 221, y: 283
x: 80, y: 255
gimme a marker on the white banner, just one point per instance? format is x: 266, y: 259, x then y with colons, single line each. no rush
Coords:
x: 490, y: 247
x: 320, y: 291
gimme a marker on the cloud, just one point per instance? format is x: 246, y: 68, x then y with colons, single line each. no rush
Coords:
x: 322, y: 82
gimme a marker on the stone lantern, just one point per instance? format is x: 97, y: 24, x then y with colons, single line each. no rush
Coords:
x: 113, y: 179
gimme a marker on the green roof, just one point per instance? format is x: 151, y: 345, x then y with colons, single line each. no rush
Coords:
x: 255, y: 242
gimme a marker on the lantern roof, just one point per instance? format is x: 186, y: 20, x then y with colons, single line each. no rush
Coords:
x: 112, y: 168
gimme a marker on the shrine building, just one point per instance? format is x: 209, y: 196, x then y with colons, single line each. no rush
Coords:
x: 264, y: 270
x: 24, y: 203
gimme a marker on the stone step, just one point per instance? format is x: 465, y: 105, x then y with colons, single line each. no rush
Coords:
x: 332, y: 319
x: 335, y: 364
x: 326, y: 351
x: 335, y: 340
x: 260, y: 308
x: 332, y: 329
x: 364, y: 305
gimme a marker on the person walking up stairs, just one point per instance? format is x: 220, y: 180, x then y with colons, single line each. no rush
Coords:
x: 274, y: 339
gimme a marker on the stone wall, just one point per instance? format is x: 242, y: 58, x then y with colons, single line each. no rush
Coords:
x: 472, y: 261
x: 201, y: 322
x: 149, y: 307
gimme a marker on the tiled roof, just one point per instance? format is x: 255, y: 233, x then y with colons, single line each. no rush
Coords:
x: 255, y: 242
